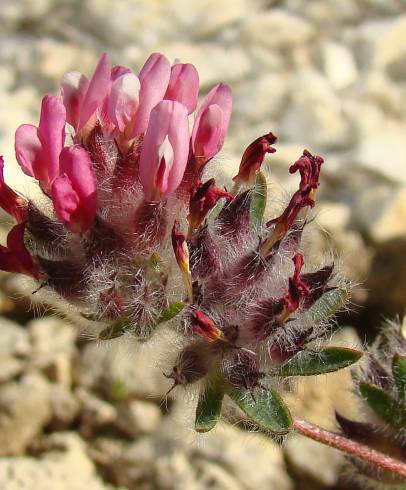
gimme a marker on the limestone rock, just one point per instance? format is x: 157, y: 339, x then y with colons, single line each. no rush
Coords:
x: 277, y: 28
x: 65, y: 407
x: 53, y: 348
x: 64, y: 467
x: 338, y: 65
x: 137, y: 417
x: 315, y: 116
x: 14, y: 349
x: 95, y: 412
x: 25, y: 409
x: 382, y: 42
x: 210, y: 59
x: 312, y: 462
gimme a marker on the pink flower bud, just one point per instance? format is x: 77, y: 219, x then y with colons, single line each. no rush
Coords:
x: 10, y: 201
x: 184, y: 85
x: 154, y: 78
x: 123, y: 101
x: 97, y: 91
x: 165, y: 150
x: 74, y: 191
x: 211, y: 123
x: 15, y: 257
x: 38, y: 149
x: 74, y: 86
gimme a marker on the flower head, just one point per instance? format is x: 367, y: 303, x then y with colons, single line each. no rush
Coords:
x: 107, y: 234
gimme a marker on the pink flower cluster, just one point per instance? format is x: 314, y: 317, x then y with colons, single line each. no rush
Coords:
x: 147, y: 117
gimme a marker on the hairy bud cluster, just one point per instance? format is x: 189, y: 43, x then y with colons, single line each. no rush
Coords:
x: 133, y: 235
x: 380, y: 382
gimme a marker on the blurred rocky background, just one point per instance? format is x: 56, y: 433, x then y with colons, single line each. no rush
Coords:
x: 323, y: 74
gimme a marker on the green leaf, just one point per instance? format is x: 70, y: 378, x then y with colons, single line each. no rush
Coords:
x: 173, y: 309
x: 267, y: 410
x: 209, y: 405
x: 385, y: 406
x: 258, y: 201
x: 311, y: 363
x: 116, y: 329
x: 399, y: 373
x: 328, y: 304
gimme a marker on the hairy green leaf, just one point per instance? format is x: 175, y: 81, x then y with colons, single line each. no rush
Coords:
x: 258, y: 201
x: 311, y: 363
x: 173, y: 309
x: 399, y: 373
x: 209, y: 405
x: 384, y: 405
x: 265, y: 408
x: 116, y: 329
x: 328, y: 305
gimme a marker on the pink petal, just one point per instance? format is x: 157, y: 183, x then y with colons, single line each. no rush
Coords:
x: 123, y: 100
x: 184, y: 85
x: 28, y: 150
x: 167, y: 136
x: 207, y: 137
x: 154, y: 77
x: 220, y: 95
x: 10, y: 201
x: 99, y: 87
x: 64, y: 198
x: 74, y: 86
x: 51, y: 132
x: 74, y: 191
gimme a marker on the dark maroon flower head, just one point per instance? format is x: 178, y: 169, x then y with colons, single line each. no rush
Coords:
x: 253, y: 158
x: 205, y: 327
x: 15, y: 257
x: 309, y: 167
x: 298, y: 289
x: 10, y: 201
x: 202, y: 200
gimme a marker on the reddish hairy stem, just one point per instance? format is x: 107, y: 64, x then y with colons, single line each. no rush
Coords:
x: 350, y: 447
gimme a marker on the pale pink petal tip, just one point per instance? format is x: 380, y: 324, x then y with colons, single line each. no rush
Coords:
x: 154, y: 78
x: 165, y: 150
x: 184, y: 85
x: 211, y: 123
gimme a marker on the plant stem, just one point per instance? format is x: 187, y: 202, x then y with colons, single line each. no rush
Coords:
x: 350, y: 447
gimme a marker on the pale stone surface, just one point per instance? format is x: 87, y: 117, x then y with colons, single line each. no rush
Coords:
x: 14, y: 349
x: 338, y: 65
x: 25, y: 408
x: 65, y: 467
x: 315, y: 116
x: 138, y: 417
x: 53, y: 347
x: 277, y: 28
x: 382, y: 42
x: 310, y: 460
